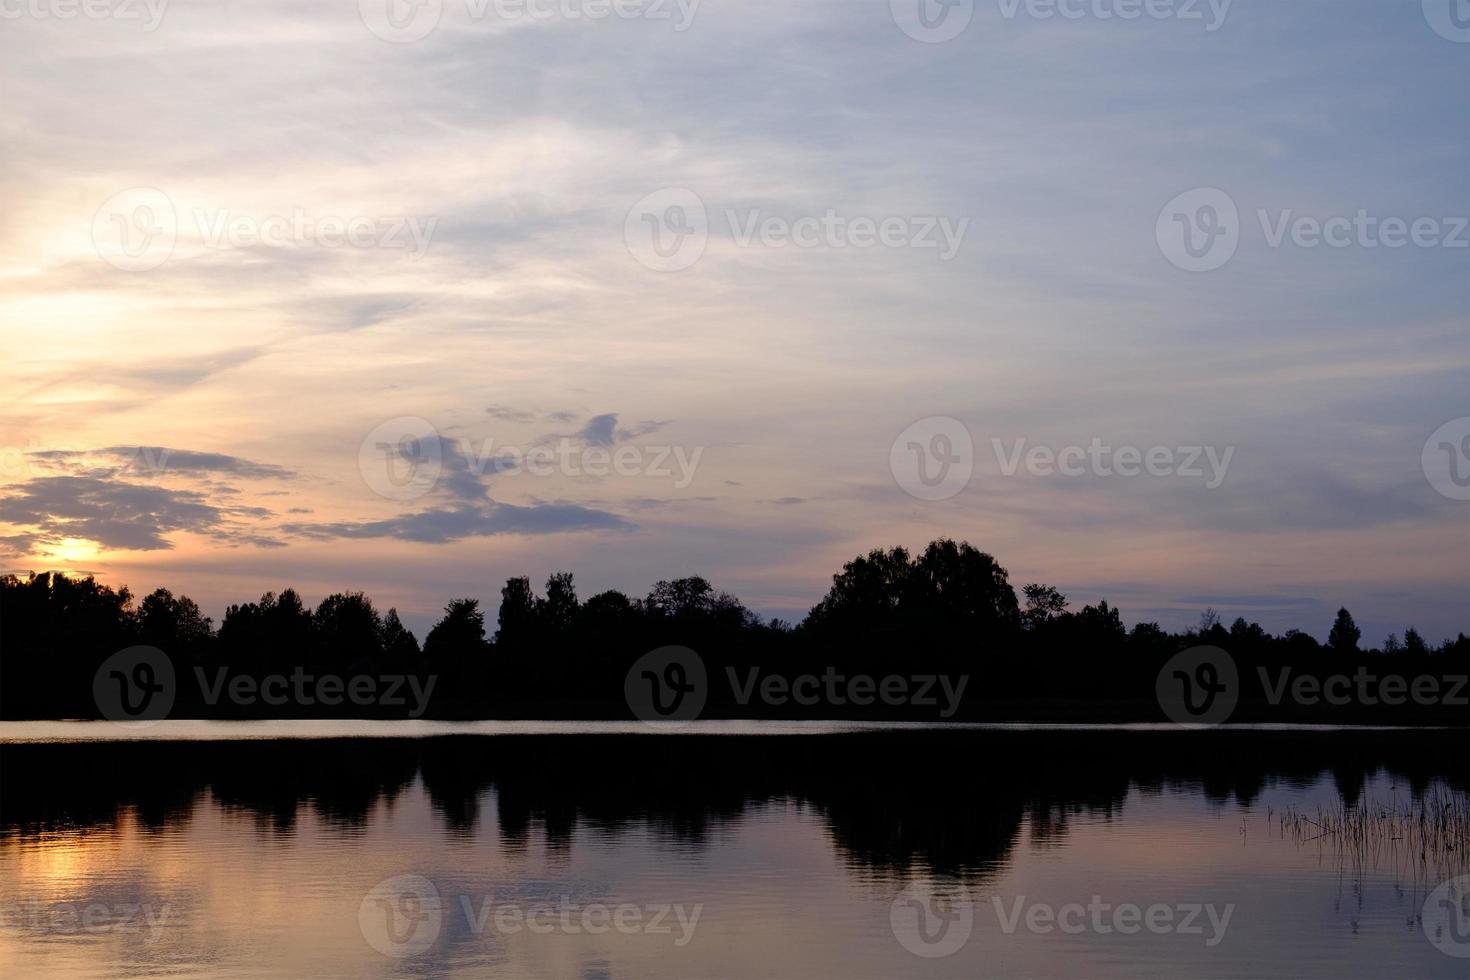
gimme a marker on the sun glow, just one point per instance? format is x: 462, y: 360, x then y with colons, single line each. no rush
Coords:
x: 72, y: 550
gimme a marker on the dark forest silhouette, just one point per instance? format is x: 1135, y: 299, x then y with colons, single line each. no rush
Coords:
x: 949, y: 610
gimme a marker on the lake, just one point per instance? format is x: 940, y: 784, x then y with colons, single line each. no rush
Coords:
x: 589, y: 850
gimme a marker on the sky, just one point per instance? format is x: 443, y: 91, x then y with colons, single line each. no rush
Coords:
x: 412, y: 299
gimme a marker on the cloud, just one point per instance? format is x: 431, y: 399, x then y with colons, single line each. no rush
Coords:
x: 666, y: 503
x: 112, y: 513
x: 159, y: 460
x: 186, y: 372
x: 126, y: 386
x: 257, y: 540
x: 441, y: 525
x: 641, y: 429
x: 524, y: 416
x: 600, y: 430
x: 603, y: 430
x: 505, y: 414
x: 111, y: 496
x: 352, y: 312
x: 457, y: 478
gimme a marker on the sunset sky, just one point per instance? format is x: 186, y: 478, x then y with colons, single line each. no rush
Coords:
x: 496, y: 291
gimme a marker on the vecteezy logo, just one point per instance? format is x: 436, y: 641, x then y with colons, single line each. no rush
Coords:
x: 668, y: 230
x: 933, y: 459
x: 932, y: 21
x: 1199, y: 230
x: 401, y: 21
x: 402, y: 916
x: 135, y: 230
x: 1199, y: 686
x: 667, y: 687
x: 402, y: 458
x: 1449, y: 18
x: 135, y: 685
x: 1446, y: 459
x: 932, y: 922
x: 1446, y: 917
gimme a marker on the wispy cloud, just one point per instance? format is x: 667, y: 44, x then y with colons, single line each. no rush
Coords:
x: 441, y: 525
x: 505, y: 413
x: 160, y: 460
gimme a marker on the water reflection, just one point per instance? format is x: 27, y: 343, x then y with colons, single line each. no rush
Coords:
x: 952, y: 802
x: 795, y: 848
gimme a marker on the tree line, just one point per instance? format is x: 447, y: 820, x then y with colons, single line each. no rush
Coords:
x: 947, y: 610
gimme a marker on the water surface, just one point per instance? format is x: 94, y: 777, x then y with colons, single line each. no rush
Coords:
x: 600, y: 853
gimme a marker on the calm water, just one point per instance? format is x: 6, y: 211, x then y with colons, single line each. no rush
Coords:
x: 606, y: 853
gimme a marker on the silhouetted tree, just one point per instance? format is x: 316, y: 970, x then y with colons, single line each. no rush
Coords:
x: 399, y: 645
x: 868, y: 591
x: 952, y: 593
x: 1345, y: 633
x: 1458, y: 648
x: 459, y: 634
x: 692, y: 596
x: 517, y: 612
x: 55, y: 632
x: 1043, y: 604
x: 270, y: 636
x: 1149, y: 640
x: 965, y: 585
x: 1300, y: 646
x: 174, y: 625
x: 1242, y: 632
x: 1102, y: 623
x: 608, y: 613
x: 559, y: 609
x: 348, y: 631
